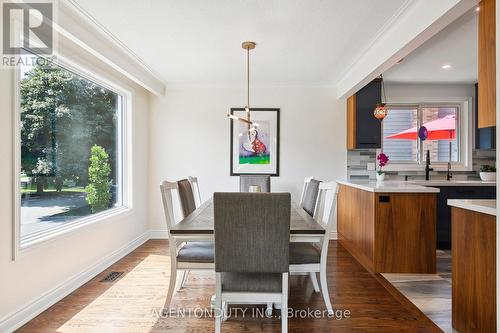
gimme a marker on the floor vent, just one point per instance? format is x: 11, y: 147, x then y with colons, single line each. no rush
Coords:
x: 111, y: 277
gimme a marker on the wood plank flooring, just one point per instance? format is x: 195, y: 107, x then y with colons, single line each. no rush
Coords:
x: 133, y: 302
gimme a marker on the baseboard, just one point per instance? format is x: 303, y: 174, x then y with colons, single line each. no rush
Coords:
x: 333, y: 235
x: 20, y: 317
x: 158, y: 234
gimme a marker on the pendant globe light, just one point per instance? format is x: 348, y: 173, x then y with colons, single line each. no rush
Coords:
x: 248, y: 45
x: 381, y: 110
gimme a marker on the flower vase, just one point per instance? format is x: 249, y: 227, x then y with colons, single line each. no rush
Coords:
x: 380, y: 177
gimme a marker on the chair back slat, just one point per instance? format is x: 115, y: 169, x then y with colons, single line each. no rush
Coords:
x: 167, y: 188
x: 196, y: 190
x: 325, y: 212
x: 264, y: 181
x: 252, y: 232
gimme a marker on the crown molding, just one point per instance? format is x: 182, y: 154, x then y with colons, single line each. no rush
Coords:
x: 414, y: 23
x: 74, y: 23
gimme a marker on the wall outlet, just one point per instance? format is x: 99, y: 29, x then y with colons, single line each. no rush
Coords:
x: 370, y: 166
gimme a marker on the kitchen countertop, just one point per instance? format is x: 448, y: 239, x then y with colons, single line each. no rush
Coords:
x: 486, y: 206
x: 452, y: 183
x: 389, y: 186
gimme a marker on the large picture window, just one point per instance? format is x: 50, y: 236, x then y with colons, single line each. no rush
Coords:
x: 70, y: 150
x: 400, y: 133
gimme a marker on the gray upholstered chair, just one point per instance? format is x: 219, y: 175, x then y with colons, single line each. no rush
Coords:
x: 257, y: 221
x: 311, y: 257
x: 184, y: 257
x: 309, y: 195
x: 189, y: 195
x: 264, y: 181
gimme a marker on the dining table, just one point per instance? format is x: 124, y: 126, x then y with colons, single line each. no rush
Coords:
x: 199, y: 225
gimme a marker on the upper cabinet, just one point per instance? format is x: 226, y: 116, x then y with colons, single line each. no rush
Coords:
x: 486, y: 65
x: 363, y: 129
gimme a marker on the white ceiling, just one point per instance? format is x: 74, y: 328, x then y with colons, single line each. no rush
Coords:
x: 196, y: 41
x: 456, y: 45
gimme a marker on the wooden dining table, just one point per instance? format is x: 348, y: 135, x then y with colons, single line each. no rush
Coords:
x: 199, y: 225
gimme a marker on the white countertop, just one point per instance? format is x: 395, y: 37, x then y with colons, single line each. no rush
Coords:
x: 486, y: 206
x: 452, y: 183
x: 388, y: 186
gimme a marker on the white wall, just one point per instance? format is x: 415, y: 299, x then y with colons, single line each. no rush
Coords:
x: 61, y: 261
x: 190, y: 136
x: 402, y: 90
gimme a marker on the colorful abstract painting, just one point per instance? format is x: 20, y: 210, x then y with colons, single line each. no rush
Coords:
x: 255, y: 150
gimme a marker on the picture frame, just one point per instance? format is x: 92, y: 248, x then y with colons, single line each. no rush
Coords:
x: 255, y: 153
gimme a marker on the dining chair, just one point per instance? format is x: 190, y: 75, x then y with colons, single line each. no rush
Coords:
x: 252, y: 239
x: 196, y: 190
x: 311, y: 257
x: 309, y: 194
x: 189, y: 195
x: 264, y: 181
x: 184, y: 256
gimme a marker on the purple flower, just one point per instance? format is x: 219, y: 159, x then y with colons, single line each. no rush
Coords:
x: 382, y: 159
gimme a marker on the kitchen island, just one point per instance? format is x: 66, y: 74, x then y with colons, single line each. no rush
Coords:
x: 389, y: 227
x: 473, y: 265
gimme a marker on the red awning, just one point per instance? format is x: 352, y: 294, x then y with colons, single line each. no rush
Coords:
x: 439, y: 129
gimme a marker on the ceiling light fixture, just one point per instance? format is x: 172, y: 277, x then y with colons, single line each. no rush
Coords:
x: 248, y: 45
x: 446, y: 66
x: 380, y: 111
x: 477, y: 8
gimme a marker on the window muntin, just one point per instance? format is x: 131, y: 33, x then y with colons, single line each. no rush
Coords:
x: 412, y: 151
x: 62, y: 116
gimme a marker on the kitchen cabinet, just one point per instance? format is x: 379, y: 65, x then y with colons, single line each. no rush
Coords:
x: 486, y: 64
x: 485, y: 137
x: 393, y: 231
x: 363, y: 129
x: 443, y: 227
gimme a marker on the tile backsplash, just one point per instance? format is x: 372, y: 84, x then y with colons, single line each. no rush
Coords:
x: 357, y: 166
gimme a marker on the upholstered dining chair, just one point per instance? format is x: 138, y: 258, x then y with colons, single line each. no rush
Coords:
x: 189, y: 195
x: 184, y: 256
x: 260, y: 222
x: 309, y: 195
x: 311, y: 257
x: 264, y: 181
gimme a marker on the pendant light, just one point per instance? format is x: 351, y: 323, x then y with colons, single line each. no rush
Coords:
x: 381, y: 111
x: 248, y: 45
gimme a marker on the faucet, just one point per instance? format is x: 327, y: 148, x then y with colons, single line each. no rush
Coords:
x: 427, y: 164
x: 448, y: 172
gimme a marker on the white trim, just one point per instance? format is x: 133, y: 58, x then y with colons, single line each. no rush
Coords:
x: 21, y: 316
x: 81, y: 28
x: 400, y: 38
x: 158, y: 234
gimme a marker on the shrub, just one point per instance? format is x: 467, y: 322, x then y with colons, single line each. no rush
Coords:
x: 98, y: 189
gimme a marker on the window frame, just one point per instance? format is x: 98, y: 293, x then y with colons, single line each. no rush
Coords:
x: 123, y: 168
x: 464, y: 139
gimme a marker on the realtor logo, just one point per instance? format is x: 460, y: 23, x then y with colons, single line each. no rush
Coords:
x: 27, y: 26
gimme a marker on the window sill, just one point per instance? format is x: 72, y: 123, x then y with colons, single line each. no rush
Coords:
x: 28, y: 243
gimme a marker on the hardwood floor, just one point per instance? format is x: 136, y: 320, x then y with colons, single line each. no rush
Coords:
x: 132, y: 303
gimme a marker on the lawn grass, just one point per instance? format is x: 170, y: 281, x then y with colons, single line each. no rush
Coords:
x: 51, y: 188
x: 255, y: 159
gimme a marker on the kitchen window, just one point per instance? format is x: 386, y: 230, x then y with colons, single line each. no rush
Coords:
x: 70, y: 143
x: 447, y: 139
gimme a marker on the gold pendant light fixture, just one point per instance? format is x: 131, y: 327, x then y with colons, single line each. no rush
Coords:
x: 248, y: 45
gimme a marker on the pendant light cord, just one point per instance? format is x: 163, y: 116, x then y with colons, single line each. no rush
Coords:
x: 383, y: 89
x: 248, y: 81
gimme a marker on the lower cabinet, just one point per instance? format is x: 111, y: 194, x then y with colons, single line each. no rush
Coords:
x: 443, y: 227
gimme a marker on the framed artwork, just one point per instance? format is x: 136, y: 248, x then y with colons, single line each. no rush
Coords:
x: 255, y: 152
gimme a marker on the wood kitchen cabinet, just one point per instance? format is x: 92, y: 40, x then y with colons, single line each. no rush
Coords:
x: 389, y: 232
x: 363, y: 129
x: 486, y: 65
